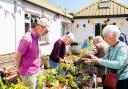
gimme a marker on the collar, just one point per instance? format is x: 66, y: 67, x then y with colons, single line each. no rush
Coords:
x: 115, y: 44
x: 33, y: 34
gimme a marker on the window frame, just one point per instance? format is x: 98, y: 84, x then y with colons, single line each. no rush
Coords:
x: 66, y: 27
x: 43, y: 40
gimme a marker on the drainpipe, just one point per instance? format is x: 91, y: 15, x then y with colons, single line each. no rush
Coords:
x: 15, y: 9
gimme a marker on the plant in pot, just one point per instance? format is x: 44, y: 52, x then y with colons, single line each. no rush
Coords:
x: 70, y: 82
x: 62, y: 81
x: 86, y: 81
x: 41, y: 80
x: 46, y: 80
x: 62, y: 69
x: 50, y: 81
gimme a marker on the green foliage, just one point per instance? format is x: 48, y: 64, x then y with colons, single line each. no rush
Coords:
x: 71, y: 81
x: 72, y: 77
x: 41, y: 80
x: 54, y: 72
x: 19, y: 85
x: 69, y: 53
x: 61, y: 79
x: 83, y: 52
x: 73, y: 57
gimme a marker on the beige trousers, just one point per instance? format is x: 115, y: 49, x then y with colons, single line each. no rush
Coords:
x: 30, y: 80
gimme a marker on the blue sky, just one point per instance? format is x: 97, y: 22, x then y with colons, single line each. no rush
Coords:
x: 75, y: 5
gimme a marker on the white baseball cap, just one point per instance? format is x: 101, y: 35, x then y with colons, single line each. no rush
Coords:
x: 43, y: 21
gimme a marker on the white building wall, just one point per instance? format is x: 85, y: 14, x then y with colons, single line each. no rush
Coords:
x: 20, y: 23
x: 7, y: 28
x: 124, y: 26
x: 13, y: 26
x: 82, y: 32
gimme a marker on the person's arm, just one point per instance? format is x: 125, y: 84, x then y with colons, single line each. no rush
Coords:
x: 23, y: 46
x: 18, y: 59
x: 57, y: 47
x: 121, y: 58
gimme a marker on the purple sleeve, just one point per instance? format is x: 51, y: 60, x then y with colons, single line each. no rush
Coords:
x: 23, y: 46
x: 57, y: 51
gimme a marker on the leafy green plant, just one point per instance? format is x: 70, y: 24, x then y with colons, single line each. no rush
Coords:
x: 62, y: 80
x: 68, y: 75
x: 41, y: 80
x: 83, y: 52
x: 71, y: 81
x: 50, y: 81
x: 19, y: 85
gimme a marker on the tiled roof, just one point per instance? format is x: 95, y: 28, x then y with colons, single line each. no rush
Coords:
x: 47, y: 5
x: 103, y: 8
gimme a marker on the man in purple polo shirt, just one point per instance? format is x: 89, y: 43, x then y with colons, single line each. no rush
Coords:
x: 59, y: 50
x: 28, y: 53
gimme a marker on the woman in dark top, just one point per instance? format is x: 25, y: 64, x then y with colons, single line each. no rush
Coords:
x: 59, y: 50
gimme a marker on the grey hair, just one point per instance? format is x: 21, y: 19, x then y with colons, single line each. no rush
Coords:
x: 98, y: 38
x: 69, y: 36
x: 110, y: 29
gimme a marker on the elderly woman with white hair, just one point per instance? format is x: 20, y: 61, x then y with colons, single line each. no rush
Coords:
x: 116, y: 56
x: 59, y: 50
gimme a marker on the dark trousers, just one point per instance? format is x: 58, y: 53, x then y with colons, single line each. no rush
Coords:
x: 122, y: 84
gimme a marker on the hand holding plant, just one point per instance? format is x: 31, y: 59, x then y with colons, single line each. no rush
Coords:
x: 92, y: 59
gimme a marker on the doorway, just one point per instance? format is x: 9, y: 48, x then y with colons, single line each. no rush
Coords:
x: 99, y: 28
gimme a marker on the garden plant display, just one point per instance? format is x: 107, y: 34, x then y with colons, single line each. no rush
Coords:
x: 67, y: 76
x: 19, y: 85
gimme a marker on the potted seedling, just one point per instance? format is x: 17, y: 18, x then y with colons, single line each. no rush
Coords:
x: 62, y: 81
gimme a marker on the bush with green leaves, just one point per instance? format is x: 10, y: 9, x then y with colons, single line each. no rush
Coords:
x: 19, y: 85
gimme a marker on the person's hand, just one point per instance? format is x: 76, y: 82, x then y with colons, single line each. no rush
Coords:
x: 86, y: 59
x: 62, y: 60
x: 65, y: 58
x: 92, y: 59
x: 79, y: 60
x: 68, y: 62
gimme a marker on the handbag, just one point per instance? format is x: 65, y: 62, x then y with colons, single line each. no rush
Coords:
x: 111, y: 78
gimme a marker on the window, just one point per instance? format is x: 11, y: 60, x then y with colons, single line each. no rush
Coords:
x: 30, y: 20
x: 33, y: 19
x: 65, y: 28
x: 27, y: 22
x: 104, y: 4
x: 44, y: 40
x: 27, y: 26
